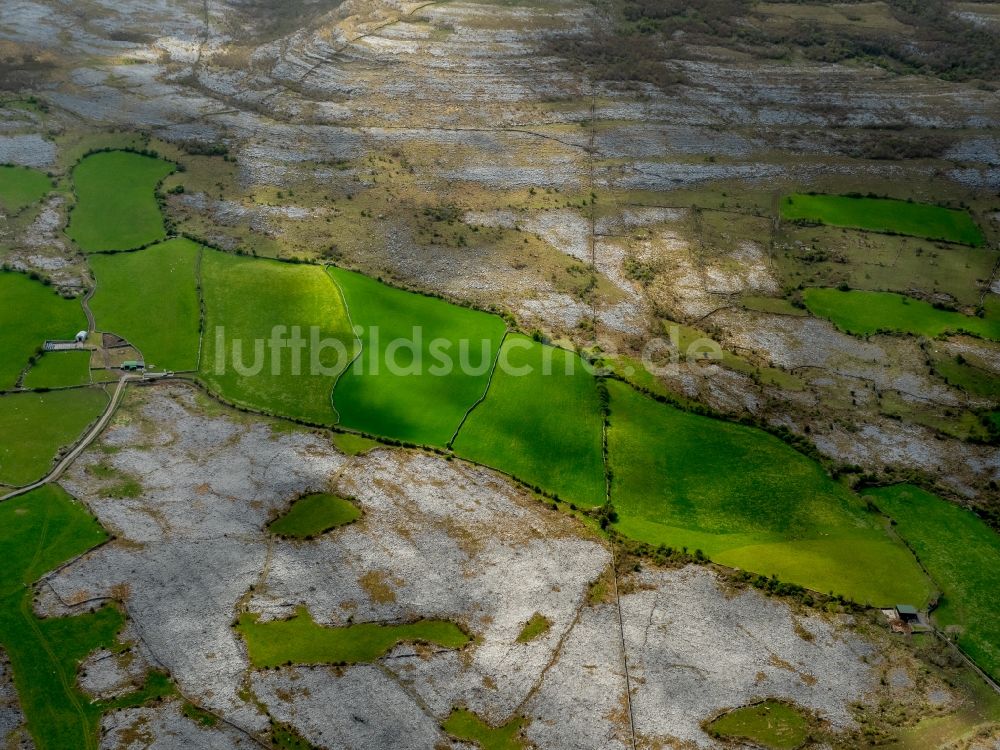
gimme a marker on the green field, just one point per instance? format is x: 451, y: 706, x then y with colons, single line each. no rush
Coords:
x: 749, y: 501
x: 962, y: 555
x: 116, y: 206
x: 38, y: 532
x: 425, y: 404
x: 246, y: 298
x: 545, y: 429
x: 864, y: 313
x: 464, y: 725
x: 150, y: 298
x: 314, y: 515
x: 770, y: 724
x: 300, y: 640
x: 59, y: 370
x: 884, y: 215
x: 34, y: 426
x: 20, y: 187
x: 31, y: 313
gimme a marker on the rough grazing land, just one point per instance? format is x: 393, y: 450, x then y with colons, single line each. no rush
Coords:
x: 449, y: 541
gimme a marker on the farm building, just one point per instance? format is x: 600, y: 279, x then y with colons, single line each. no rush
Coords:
x: 907, y: 613
x: 133, y: 364
x: 81, y: 337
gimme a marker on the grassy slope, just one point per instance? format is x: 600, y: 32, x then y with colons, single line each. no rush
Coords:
x: 543, y: 429
x: 248, y: 296
x: 748, y: 500
x: 422, y: 408
x: 150, y: 297
x: 962, y: 554
x: 30, y: 313
x: 34, y: 426
x: 59, y: 370
x: 863, y: 313
x: 883, y: 215
x: 20, y: 187
x: 116, y: 206
x: 39, y: 531
x: 301, y: 640
x: 315, y: 514
x: 770, y: 724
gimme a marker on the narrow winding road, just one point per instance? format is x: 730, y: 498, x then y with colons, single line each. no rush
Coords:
x: 87, y: 439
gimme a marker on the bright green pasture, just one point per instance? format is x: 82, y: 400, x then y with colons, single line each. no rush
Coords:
x: 770, y: 724
x: 962, y: 555
x: 545, y: 429
x: 863, y: 313
x: 39, y: 531
x: 30, y: 313
x: 884, y: 215
x: 59, y: 370
x: 245, y: 299
x: 150, y: 298
x: 464, y: 725
x: 750, y: 501
x: 116, y: 206
x: 313, y: 515
x: 34, y: 426
x: 300, y: 640
x: 411, y: 393
x: 20, y: 187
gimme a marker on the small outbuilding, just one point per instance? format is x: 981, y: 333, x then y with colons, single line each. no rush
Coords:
x: 907, y: 613
x: 81, y: 337
x: 132, y: 365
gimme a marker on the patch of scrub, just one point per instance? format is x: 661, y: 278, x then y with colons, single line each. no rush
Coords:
x: 962, y: 555
x: 313, y: 515
x: 420, y: 392
x: 464, y: 725
x: 20, y: 187
x: 116, y: 207
x: 59, y: 370
x: 249, y: 300
x: 150, y: 298
x: 534, y: 628
x: 770, y: 724
x: 31, y: 313
x: 748, y: 500
x: 864, y: 313
x: 300, y: 640
x: 539, y: 423
x: 884, y: 215
x: 35, y: 426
